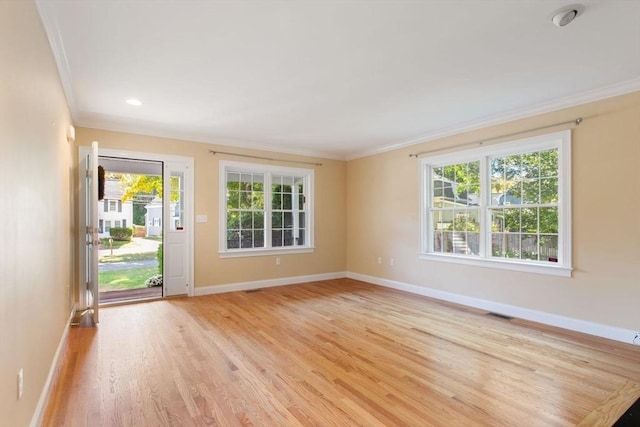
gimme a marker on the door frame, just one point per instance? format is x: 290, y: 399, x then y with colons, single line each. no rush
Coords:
x: 188, y: 204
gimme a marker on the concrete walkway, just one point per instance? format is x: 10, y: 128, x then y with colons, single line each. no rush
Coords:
x: 136, y: 246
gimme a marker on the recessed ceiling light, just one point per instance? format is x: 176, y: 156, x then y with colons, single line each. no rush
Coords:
x: 135, y: 102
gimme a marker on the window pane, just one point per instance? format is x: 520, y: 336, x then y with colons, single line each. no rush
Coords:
x: 549, y: 163
x: 258, y: 239
x: 505, y: 245
x: 437, y: 241
x: 276, y: 238
x: 449, y: 173
x: 497, y: 220
x: 549, y: 248
x: 276, y: 201
x: 288, y: 220
x: 245, y: 181
x: 513, y: 195
x: 529, y: 220
x: 233, y: 181
x: 245, y: 200
x: 549, y: 190
x: 246, y: 239
x: 301, y: 237
x: 301, y: 220
x: 511, y: 167
x: 530, y: 166
x: 437, y: 172
x: 512, y: 220
x: 548, y: 220
x: 447, y: 242
x: 233, y: 239
x: 288, y: 238
x: 473, y: 242
x: 276, y: 220
x: 287, y: 201
x: 246, y: 220
x: 257, y: 200
x: 530, y: 191
x: 233, y: 220
x: 233, y: 199
x: 258, y: 220
x: 529, y: 246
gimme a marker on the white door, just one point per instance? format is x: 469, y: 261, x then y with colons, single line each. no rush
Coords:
x: 89, y: 296
x: 177, y: 228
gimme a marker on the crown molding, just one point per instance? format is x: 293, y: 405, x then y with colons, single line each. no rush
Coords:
x: 193, y: 137
x: 586, y: 97
x: 52, y: 30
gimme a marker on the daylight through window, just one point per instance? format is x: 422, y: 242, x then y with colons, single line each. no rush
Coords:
x: 506, y: 205
x: 265, y: 209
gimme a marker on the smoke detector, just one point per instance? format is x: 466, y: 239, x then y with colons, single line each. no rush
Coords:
x: 564, y: 16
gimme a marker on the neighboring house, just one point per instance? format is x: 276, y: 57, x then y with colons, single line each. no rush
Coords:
x: 112, y: 211
x: 153, y: 217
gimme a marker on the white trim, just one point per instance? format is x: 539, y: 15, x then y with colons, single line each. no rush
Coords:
x: 241, y: 253
x: 557, y: 140
x: 586, y: 97
x: 54, y: 36
x: 267, y: 171
x: 576, y: 325
x: 502, y: 264
x: 189, y: 219
x: 45, y: 395
x: 57, y: 47
x: 268, y: 283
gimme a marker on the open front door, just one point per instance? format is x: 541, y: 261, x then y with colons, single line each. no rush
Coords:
x: 89, y: 296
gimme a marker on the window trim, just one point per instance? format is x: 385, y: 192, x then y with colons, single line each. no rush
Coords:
x: 224, y: 166
x: 558, y: 140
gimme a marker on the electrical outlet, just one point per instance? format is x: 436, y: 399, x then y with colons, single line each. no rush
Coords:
x: 20, y: 383
x: 278, y: 261
x: 379, y: 260
x: 392, y: 262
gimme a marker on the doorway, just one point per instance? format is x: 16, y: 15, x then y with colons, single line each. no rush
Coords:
x: 168, y: 227
x: 130, y: 216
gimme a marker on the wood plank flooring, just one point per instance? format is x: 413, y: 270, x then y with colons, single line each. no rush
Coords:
x: 335, y: 353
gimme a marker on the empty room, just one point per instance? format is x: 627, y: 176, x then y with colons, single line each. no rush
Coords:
x: 327, y: 213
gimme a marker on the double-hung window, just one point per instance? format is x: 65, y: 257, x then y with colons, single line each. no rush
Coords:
x: 505, y: 206
x: 265, y: 209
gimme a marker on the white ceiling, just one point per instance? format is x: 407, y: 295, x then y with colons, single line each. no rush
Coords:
x: 339, y: 79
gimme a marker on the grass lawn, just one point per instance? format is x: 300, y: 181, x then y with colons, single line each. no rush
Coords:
x: 143, y: 256
x: 128, y: 278
x: 116, y: 243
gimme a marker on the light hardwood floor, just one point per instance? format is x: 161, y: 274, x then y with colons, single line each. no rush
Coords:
x: 335, y: 353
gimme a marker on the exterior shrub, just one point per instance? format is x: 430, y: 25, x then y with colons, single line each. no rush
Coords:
x: 155, y: 280
x: 159, y: 254
x: 118, y: 233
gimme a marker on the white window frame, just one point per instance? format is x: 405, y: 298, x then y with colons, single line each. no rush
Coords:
x: 268, y: 171
x: 560, y: 141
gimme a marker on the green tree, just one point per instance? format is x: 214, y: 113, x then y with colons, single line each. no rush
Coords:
x: 146, y: 187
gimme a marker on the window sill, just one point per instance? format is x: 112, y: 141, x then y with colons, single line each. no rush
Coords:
x: 264, y: 252
x: 523, y: 266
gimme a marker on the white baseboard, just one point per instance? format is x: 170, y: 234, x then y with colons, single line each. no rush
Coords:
x: 591, y: 328
x: 36, y: 420
x: 244, y: 286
